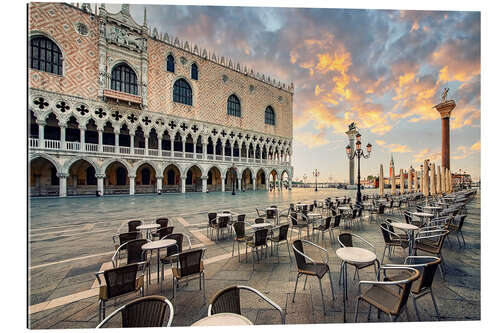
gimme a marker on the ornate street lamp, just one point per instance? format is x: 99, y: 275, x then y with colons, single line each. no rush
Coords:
x: 358, y: 152
x: 233, y: 178
x: 316, y: 175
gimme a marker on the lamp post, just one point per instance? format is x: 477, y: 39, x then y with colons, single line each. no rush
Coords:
x: 233, y: 177
x: 358, y: 152
x: 316, y: 175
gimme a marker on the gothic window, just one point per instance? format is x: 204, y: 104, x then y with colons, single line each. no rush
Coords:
x: 189, y: 178
x: 45, y: 55
x: 262, y: 178
x: 170, y: 63
x: 269, y: 119
x: 123, y: 79
x: 91, y: 179
x: 194, y: 72
x: 171, y: 177
x: 121, y: 176
x: 209, y: 179
x: 233, y: 106
x: 182, y: 92
x: 145, y: 176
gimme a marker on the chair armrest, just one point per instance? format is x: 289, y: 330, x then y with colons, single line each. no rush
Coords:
x: 268, y: 300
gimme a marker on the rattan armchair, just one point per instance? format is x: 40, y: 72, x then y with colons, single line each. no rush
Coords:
x: 134, y: 252
x: 163, y: 222
x: 457, y: 227
x: 346, y: 240
x: 146, y: 311
x: 259, y: 240
x: 324, y: 228
x: 308, y: 267
x: 212, y: 222
x: 163, y: 232
x: 120, y: 281
x: 427, y: 266
x: 240, y: 236
x: 294, y: 217
x: 132, y: 225
x: 228, y: 300
x: 259, y: 214
x: 384, y: 295
x: 124, y: 237
x: 170, y: 258
x: 280, y: 238
x: 189, y: 267
x: 431, y: 241
x: 391, y: 239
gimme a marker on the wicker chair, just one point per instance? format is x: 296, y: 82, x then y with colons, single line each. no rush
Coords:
x: 271, y: 214
x: 391, y: 239
x: 384, y: 295
x: 163, y: 232
x: 427, y: 266
x: 134, y: 252
x: 457, y: 228
x: 132, y: 225
x: 163, y: 222
x: 124, y: 237
x: 189, y: 266
x: 240, y: 236
x: 301, y: 225
x: 431, y: 241
x: 222, y: 224
x: 228, y: 300
x: 120, y: 281
x: 284, y: 213
x: 212, y: 222
x: 259, y: 239
x: 308, y: 267
x: 346, y: 240
x: 324, y: 228
x: 170, y: 258
x: 279, y: 239
x: 146, y: 311
x: 259, y: 214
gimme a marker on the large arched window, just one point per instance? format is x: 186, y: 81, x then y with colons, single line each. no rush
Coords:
x: 123, y: 79
x: 233, y: 106
x: 170, y: 63
x: 171, y: 177
x: 45, y: 55
x: 269, y: 119
x: 194, y: 72
x: 182, y: 92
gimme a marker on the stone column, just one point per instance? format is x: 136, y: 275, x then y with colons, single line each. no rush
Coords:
x: 183, y: 184
x: 82, y: 138
x: 132, y: 143
x: 159, y: 183
x: 267, y: 183
x: 444, y: 109
x: 146, y: 145
x: 204, y: 184
x: 224, y: 150
x: 351, y: 134
x: 254, y: 183
x: 132, y: 184
x: 223, y: 184
x: 99, y: 139
x: 204, y: 150
x: 63, y: 136
x: 232, y: 151
x: 439, y: 184
x: 401, y: 181
x: 183, y: 148
x: 41, y: 133
x: 171, y: 147
x: 239, y: 184
x: 62, y: 184
x: 160, y: 153
x: 100, y: 183
x: 433, y: 179
x: 410, y: 180
x: 117, y: 142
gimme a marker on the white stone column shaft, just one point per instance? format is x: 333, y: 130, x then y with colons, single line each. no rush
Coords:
x: 254, y: 181
x: 159, y: 183
x: 63, y: 137
x: 146, y: 145
x: 82, y: 139
x: 132, y: 184
x: 100, y: 183
x: 62, y: 184
x: 183, y: 184
x: 204, y: 184
x: 117, y: 142
x: 99, y: 139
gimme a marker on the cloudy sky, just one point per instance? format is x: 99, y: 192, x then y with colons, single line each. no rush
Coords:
x: 382, y: 69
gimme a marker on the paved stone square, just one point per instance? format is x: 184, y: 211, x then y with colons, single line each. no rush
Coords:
x: 70, y: 240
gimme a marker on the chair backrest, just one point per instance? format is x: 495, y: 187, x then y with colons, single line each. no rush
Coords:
x: 226, y: 301
x: 381, y: 209
x: 259, y: 220
x: 407, y: 216
x: 223, y: 221
x: 212, y: 218
x: 171, y: 250
x: 146, y: 311
x: 273, y: 206
x: 311, y: 207
x: 162, y: 221
x: 460, y: 221
x: 190, y: 262
x: 345, y: 239
x: 128, y: 236
x: 299, y: 258
x: 134, y: 250
x: 283, y: 232
x: 270, y: 213
x: 354, y: 213
x: 405, y: 290
x: 239, y: 229
x: 328, y: 221
x: 241, y: 218
x: 419, y: 209
x: 260, y: 237
x: 336, y: 222
x: 293, y: 218
x: 121, y: 280
x: 132, y: 225
x: 162, y: 232
x: 426, y: 273
x: 334, y: 213
x: 387, y: 236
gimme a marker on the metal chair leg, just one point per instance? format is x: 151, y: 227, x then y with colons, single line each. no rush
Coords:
x: 416, y: 307
x: 322, y: 298
x: 356, y: 313
x: 435, y: 305
x: 295, y: 289
x: 305, y: 281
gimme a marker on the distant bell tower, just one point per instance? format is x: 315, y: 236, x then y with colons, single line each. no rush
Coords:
x: 391, y: 167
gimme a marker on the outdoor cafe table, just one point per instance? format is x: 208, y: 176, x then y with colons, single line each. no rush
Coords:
x: 422, y: 215
x: 275, y: 213
x: 432, y: 208
x: 409, y: 229
x: 261, y: 225
x: 157, y: 245
x: 223, y: 319
x: 355, y: 256
x: 148, y: 228
x: 314, y: 217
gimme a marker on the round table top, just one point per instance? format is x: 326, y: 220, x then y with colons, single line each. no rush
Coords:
x: 261, y: 225
x: 432, y: 207
x: 422, y: 214
x: 223, y: 319
x: 271, y: 208
x: 148, y: 226
x: 404, y: 226
x: 159, y: 244
x: 301, y: 204
x: 344, y: 208
x: 313, y: 214
x: 356, y: 255
x: 223, y: 214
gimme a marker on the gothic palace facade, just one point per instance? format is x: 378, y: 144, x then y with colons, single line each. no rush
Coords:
x: 117, y: 108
